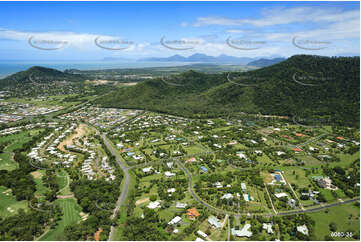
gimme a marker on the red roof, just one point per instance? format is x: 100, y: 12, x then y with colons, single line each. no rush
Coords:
x: 297, y: 149
x: 192, y: 159
x: 192, y: 212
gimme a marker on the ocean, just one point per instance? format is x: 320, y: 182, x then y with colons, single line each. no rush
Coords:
x: 10, y: 67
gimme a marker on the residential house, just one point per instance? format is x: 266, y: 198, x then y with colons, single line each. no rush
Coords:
x: 303, y: 229
x: 244, y: 232
x: 175, y: 220
x: 192, y: 213
x: 212, y: 220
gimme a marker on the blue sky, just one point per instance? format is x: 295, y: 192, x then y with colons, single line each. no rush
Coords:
x: 135, y: 29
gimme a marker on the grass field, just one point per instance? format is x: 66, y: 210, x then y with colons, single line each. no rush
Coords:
x: 8, y: 203
x: 346, y: 160
x: 50, y: 101
x: 15, y: 141
x: 63, y: 177
x: 41, y: 189
x: 309, y: 160
x: 340, y: 216
x: 71, y: 215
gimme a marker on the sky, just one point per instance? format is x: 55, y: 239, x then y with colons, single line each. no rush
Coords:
x: 136, y: 30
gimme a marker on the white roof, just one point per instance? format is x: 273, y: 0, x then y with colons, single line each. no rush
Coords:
x: 175, y: 220
x: 282, y: 194
x: 280, y: 153
x: 171, y: 190
x: 201, y: 233
x: 240, y: 155
x: 147, y: 169
x: 227, y: 196
x: 153, y: 205
x: 243, y: 186
x: 168, y: 173
x: 243, y: 232
x: 268, y: 227
x: 302, y: 229
x: 199, y: 239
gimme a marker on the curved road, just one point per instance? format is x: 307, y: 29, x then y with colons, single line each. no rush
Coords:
x: 123, y: 195
x: 194, y: 195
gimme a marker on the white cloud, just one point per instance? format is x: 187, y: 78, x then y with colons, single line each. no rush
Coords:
x: 277, y: 16
x: 184, y: 24
x: 80, y: 41
x: 234, y: 31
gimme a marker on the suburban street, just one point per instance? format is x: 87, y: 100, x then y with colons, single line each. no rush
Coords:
x: 194, y: 195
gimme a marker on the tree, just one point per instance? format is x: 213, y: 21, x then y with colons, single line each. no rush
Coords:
x: 333, y: 226
x: 153, y: 198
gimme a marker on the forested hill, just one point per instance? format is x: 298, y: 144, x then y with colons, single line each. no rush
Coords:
x: 303, y: 86
x: 39, y: 75
x: 265, y: 62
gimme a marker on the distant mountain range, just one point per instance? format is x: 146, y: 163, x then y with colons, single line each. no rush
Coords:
x: 224, y: 59
x: 202, y: 58
x: 265, y: 62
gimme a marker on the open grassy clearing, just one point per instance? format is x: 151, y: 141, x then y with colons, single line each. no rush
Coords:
x: 41, y: 189
x: 50, y: 101
x: 71, y: 215
x: 341, y: 216
x: 8, y: 204
x: 14, y: 141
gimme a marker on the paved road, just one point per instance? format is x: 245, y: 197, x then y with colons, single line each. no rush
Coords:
x: 123, y: 194
x: 194, y: 195
x: 319, y: 208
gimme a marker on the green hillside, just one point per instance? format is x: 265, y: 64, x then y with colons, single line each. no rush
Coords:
x: 38, y: 74
x: 303, y: 86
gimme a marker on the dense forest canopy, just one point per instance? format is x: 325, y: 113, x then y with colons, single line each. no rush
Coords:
x: 39, y: 74
x: 306, y: 86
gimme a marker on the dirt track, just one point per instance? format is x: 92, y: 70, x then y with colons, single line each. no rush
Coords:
x: 79, y: 132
